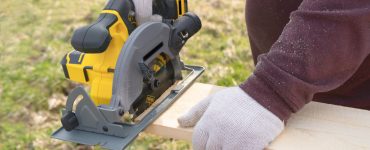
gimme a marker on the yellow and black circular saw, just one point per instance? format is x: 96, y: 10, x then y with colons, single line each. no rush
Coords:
x: 127, y: 68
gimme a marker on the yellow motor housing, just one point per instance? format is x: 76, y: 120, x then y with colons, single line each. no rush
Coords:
x: 96, y: 68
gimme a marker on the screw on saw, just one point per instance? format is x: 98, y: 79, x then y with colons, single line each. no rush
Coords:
x: 156, y: 83
x: 105, y: 128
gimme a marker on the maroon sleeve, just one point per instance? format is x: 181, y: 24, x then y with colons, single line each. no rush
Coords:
x: 319, y: 49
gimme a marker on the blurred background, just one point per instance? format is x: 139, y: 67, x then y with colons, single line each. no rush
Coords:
x: 35, y: 35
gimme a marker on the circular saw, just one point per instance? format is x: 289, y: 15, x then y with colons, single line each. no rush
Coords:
x: 133, y: 73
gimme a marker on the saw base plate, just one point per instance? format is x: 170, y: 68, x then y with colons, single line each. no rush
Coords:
x: 132, y: 130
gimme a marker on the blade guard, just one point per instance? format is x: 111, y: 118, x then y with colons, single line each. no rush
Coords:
x: 144, y: 44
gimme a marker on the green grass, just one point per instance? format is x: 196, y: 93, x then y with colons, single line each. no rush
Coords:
x: 35, y: 34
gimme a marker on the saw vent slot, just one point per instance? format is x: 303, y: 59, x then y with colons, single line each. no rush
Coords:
x: 153, y: 51
x: 180, y: 8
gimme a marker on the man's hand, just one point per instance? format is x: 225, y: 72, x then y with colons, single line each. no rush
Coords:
x: 231, y: 119
x: 144, y: 12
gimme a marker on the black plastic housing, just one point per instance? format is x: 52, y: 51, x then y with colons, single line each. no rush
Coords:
x: 69, y: 121
x: 95, y: 38
x: 183, y: 28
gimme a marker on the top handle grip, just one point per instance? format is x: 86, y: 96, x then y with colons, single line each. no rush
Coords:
x: 95, y: 38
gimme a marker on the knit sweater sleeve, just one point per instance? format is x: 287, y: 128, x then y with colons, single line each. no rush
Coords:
x: 321, y: 47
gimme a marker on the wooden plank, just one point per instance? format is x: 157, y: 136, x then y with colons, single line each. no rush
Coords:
x: 316, y: 126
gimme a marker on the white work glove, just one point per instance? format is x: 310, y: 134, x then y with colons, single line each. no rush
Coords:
x: 231, y: 120
x: 144, y: 12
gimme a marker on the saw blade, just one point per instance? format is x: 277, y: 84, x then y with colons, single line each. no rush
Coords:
x: 163, y: 73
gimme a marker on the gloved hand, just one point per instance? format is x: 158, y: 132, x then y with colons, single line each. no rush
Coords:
x: 231, y: 120
x: 144, y: 12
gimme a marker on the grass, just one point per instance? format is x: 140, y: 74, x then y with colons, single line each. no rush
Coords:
x: 35, y: 34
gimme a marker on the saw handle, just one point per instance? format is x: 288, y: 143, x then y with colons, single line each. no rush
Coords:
x: 184, y: 28
x: 96, y: 37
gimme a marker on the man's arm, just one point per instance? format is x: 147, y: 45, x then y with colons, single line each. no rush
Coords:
x: 320, y: 48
